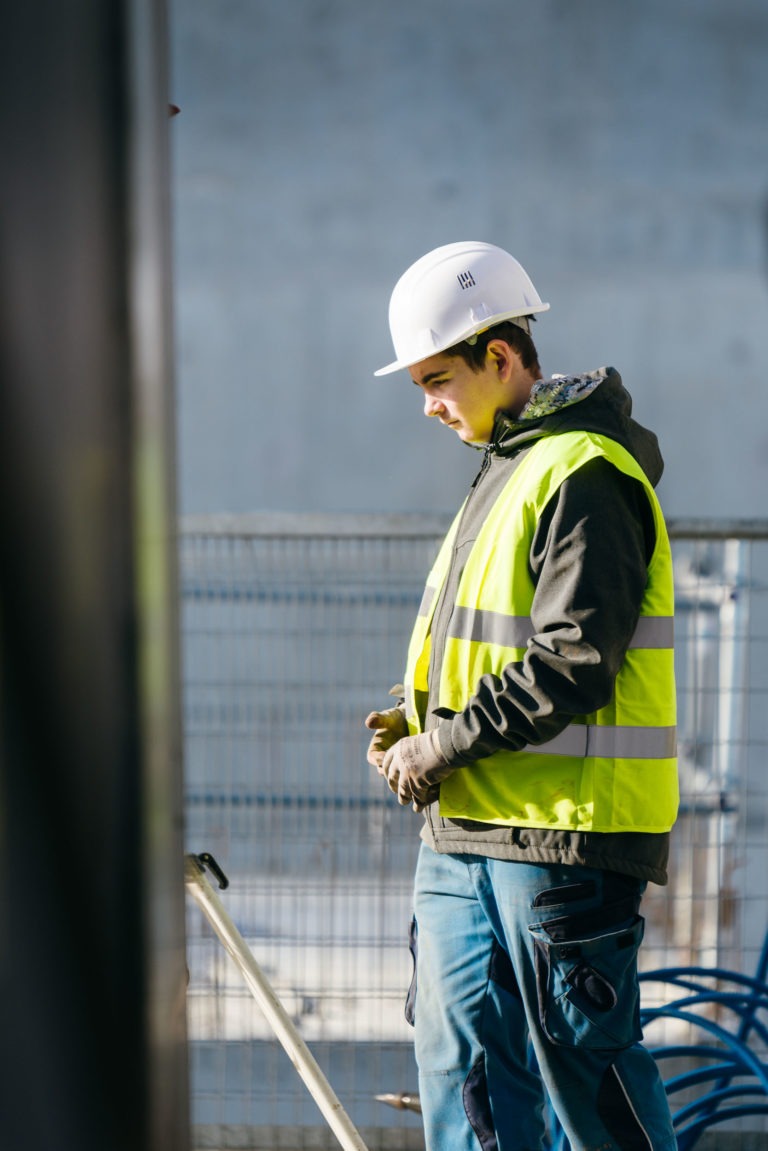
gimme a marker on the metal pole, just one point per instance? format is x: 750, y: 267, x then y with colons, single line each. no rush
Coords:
x: 93, y: 1050
x: 201, y: 891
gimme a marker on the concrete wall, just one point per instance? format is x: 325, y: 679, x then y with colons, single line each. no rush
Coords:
x: 619, y: 150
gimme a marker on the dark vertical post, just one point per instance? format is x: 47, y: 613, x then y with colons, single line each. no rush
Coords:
x: 92, y: 1033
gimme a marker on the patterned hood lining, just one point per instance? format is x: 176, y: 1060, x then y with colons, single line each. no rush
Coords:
x: 549, y: 396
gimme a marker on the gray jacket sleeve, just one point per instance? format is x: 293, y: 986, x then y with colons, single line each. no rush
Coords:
x: 588, y: 560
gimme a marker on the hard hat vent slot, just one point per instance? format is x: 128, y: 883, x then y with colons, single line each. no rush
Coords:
x: 480, y: 312
x: 428, y: 341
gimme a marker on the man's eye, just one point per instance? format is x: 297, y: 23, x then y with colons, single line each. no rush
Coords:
x: 431, y: 383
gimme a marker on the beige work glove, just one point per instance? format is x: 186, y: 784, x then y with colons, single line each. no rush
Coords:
x: 415, y: 767
x: 388, y: 727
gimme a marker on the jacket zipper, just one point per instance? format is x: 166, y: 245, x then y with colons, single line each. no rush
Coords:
x: 433, y: 817
x: 439, y: 607
x: 487, y: 453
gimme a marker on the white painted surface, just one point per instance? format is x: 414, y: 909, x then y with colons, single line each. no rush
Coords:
x: 620, y: 151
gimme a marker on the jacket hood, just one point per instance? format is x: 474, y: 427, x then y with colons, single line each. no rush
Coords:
x: 593, y: 402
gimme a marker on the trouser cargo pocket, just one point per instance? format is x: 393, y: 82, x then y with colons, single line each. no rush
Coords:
x: 587, y: 987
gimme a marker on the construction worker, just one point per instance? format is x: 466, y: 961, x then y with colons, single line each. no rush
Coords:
x: 536, y: 730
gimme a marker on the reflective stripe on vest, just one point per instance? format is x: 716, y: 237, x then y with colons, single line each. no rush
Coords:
x: 515, y: 631
x: 610, y: 771
x: 585, y: 739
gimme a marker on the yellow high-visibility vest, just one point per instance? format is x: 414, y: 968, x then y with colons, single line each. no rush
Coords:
x: 613, y: 770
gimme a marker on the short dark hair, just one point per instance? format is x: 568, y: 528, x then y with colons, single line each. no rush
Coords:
x: 512, y: 334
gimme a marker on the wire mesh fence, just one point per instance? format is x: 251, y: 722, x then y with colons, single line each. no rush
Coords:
x: 294, y: 628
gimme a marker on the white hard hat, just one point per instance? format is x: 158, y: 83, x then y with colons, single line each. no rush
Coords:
x: 452, y: 293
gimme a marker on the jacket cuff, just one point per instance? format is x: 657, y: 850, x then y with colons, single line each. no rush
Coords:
x: 447, y: 750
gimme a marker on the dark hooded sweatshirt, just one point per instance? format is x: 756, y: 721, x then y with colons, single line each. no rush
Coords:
x: 588, y: 559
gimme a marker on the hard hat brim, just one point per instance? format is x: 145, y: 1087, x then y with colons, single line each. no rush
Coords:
x: 474, y: 330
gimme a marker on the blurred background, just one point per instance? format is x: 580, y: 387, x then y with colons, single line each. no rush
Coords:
x: 620, y: 151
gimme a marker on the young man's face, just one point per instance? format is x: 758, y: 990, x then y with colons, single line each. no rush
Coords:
x: 467, y: 400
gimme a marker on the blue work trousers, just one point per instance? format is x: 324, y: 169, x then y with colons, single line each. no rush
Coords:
x: 525, y: 983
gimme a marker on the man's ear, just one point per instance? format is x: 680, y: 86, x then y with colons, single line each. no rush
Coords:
x: 501, y: 356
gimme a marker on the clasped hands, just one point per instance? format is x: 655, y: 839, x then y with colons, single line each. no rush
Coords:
x: 413, y: 765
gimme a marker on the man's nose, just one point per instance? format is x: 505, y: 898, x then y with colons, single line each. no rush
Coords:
x: 432, y: 406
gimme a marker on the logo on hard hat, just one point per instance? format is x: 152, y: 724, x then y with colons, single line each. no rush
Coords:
x: 466, y: 280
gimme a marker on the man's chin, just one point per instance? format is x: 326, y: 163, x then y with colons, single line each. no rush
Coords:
x: 468, y: 436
